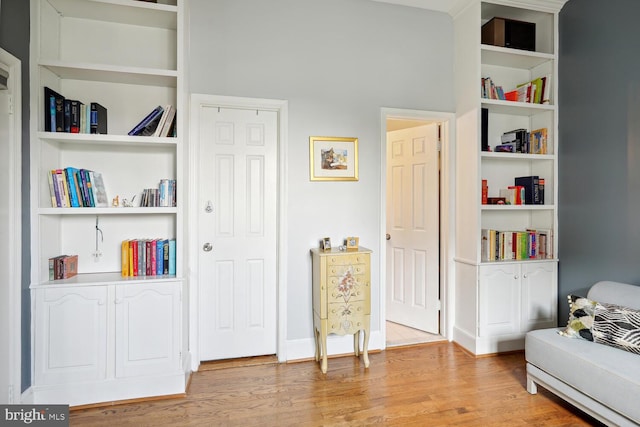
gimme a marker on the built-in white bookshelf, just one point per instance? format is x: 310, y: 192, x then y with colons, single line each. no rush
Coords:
x: 497, y: 302
x: 128, y: 56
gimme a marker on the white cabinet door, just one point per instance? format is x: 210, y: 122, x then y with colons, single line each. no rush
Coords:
x: 70, y: 334
x: 147, y: 329
x: 499, y: 299
x: 539, y: 296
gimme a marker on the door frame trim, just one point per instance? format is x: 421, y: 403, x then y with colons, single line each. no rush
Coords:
x: 282, y: 108
x: 447, y: 207
x: 14, y: 188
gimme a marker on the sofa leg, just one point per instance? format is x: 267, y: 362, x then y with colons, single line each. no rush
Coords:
x: 532, y: 388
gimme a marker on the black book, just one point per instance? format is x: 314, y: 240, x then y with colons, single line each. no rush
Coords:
x: 531, y: 189
x: 484, y: 118
x: 98, y: 123
x: 74, y: 120
x: 53, y: 111
x: 67, y: 116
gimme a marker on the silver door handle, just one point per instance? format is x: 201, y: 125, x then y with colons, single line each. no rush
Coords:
x: 207, y: 247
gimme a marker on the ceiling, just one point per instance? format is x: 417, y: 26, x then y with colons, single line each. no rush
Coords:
x: 446, y: 6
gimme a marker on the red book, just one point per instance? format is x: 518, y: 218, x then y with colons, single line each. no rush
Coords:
x: 134, y: 247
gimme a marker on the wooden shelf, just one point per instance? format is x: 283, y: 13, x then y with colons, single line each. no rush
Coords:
x: 513, y: 58
x: 120, y: 11
x: 515, y: 108
x: 112, y: 73
x: 105, y: 140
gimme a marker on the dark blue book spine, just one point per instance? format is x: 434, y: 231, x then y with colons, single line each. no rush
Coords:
x: 144, y: 122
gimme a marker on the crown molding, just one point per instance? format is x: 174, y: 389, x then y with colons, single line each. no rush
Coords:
x: 454, y: 7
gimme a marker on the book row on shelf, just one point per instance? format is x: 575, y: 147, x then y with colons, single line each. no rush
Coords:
x: 536, y: 91
x: 73, y: 188
x: 63, y: 267
x: 148, y: 257
x: 71, y: 115
x: 82, y: 188
x: 516, y: 245
x: 163, y: 196
x: 527, y: 190
x: 161, y: 121
x: 522, y: 141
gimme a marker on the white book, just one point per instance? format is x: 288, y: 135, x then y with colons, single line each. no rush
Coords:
x: 163, y: 120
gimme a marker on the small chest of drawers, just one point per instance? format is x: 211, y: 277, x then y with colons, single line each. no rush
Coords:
x: 341, y: 298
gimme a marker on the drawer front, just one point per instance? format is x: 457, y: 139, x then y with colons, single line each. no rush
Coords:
x: 346, y: 259
x: 346, y: 318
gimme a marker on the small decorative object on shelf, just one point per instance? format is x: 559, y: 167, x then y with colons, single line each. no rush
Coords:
x: 325, y: 244
x: 352, y: 243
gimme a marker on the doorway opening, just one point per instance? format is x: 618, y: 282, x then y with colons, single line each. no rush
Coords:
x: 415, y: 155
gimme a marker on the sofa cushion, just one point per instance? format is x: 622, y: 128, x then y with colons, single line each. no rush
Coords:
x: 617, y: 326
x: 581, y: 315
x: 606, y: 374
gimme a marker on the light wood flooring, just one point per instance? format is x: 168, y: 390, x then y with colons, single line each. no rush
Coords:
x: 436, y: 384
x: 398, y: 335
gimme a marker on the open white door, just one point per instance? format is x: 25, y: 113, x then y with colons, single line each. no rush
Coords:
x: 10, y: 248
x: 237, y: 226
x: 413, y: 228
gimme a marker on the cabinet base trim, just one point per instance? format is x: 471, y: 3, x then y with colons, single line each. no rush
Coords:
x: 109, y: 392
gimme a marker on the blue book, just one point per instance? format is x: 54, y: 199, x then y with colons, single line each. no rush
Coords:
x: 144, y: 122
x: 70, y: 174
x: 159, y: 257
x: 172, y: 257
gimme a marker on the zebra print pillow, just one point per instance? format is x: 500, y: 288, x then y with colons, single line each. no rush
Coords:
x: 617, y: 326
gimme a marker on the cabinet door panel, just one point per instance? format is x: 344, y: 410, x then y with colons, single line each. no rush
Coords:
x: 70, y: 334
x: 539, y: 296
x: 147, y: 333
x: 499, y: 297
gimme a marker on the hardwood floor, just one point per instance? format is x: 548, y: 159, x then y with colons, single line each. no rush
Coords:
x: 435, y: 384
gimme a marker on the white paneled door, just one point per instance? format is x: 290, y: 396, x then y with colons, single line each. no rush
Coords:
x: 237, y: 231
x: 413, y: 227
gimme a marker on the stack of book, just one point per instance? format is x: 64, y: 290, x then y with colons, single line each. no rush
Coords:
x: 71, y: 115
x: 522, y: 141
x: 63, y: 267
x: 148, y: 257
x: 536, y: 91
x: 516, y: 245
x: 77, y: 188
x: 161, y: 121
x: 163, y: 196
x: 526, y: 190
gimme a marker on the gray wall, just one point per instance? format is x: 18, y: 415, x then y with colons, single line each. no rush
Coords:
x: 337, y: 62
x: 14, y: 38
x: 599, y: 151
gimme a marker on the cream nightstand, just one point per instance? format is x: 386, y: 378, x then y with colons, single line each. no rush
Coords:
x: 341, y: 298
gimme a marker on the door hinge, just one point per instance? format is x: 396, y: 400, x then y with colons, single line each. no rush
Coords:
x: 10, y: 394
x: 439, y: 305
x: 439, y: 146
x: 10, y: 104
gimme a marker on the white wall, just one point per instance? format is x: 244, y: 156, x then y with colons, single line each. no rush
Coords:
x: 337, y: 62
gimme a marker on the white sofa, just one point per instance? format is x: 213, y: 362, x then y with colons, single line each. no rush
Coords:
x: 602, y: 381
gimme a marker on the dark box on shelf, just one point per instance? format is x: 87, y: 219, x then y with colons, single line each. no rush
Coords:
x: 510, y: 33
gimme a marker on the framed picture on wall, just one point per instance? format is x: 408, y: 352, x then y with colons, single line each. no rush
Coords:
x: 333, y: 158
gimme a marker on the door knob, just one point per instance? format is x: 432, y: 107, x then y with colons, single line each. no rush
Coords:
x: 388, y: 236
x: 207, y: 247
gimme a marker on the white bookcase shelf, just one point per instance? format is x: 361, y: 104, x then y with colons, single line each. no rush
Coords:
x: 128, y: 56
x: 497, y: 302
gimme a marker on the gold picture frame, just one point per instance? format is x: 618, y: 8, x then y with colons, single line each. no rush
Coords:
x: 333, y: 158
x: 352, y: 243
